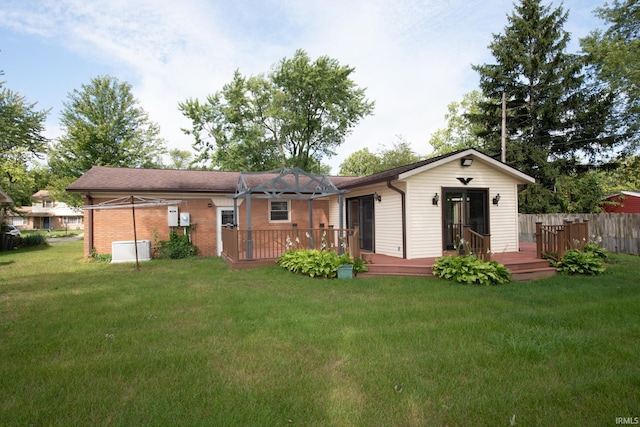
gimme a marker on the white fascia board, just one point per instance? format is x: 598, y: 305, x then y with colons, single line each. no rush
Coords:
x: 520, y: 176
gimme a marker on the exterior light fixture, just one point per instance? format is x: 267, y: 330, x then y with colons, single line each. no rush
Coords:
x: 496, y: 199
x: 434, y: 200
x: 466, y: 161
x: 377, y: 196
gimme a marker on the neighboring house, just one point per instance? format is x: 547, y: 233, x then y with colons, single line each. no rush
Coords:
x: 45, y: 213
x: 414, y: 211
x: 623, y: 202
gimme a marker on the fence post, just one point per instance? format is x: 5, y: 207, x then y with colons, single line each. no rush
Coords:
x: 539, y: 240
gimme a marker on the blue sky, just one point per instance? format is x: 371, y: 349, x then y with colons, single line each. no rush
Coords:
x: 413, y: 56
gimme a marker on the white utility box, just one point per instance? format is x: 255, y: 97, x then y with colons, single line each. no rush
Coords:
x: 172, y: 216
x: 125, y: 251
x: 185, y: 219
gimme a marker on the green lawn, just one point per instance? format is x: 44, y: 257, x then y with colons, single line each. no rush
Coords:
x: 191, y: 342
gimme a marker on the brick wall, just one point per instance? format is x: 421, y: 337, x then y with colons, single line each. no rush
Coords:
x: 151, y: 223
x: 299, y: 215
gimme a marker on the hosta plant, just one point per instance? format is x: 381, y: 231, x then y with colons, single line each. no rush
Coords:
x: 471, y: 270
x: 316, y: 263
x: 579, y: 262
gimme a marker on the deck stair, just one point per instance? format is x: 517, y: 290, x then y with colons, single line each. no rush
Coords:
x: 522, y: 265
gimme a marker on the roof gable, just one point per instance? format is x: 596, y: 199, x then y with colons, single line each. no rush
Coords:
x: 404, y: 172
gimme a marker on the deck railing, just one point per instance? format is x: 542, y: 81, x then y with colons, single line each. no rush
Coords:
x: 477, y: 244
x: 244, y: 245
x: 552, y: 241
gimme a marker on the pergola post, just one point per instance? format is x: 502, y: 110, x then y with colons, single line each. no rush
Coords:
x: 249, y: 241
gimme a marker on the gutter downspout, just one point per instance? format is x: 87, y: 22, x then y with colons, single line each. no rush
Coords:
x: 90, y: 223
x: 404, y: 217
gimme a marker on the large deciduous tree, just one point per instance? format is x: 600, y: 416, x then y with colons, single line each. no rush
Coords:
x: 614, y: 56
x: 555, y: 120
x: 21, y: 140
x: 104, y: 125
x: 295, y: 116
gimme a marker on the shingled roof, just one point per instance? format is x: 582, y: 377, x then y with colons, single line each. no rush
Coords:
x: 132, y: 180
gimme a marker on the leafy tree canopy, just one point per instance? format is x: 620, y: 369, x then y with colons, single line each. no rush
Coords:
x: 295, y: 116
x: 614, y: 56
x: 21, y: 141
x: 180, y: 159
x: 460, y: 132
x: 364, y: 162
x: 104, y: 125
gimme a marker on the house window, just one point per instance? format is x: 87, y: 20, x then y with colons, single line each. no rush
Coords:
x: 278, y: 210
x: 47, y: 203
x: 73, y: 220
x: 16, y: 220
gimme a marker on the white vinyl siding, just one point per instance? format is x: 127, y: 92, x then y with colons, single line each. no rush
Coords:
x: 425, y: 220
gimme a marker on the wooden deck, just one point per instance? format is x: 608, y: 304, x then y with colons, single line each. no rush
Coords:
x: 523, y: 265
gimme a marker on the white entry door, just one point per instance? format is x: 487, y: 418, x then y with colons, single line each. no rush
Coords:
x: 225, y: 217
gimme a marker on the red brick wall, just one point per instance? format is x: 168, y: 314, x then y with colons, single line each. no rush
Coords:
x: 151, y: 223
x: 299, y: 215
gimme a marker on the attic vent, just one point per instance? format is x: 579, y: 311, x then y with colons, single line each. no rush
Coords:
x: 125, y: 251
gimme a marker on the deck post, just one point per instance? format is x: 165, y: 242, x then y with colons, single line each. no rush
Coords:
x: 249, y: 241
x: 538, y: 239
x: 487, y: 247
x: 568, y: 241
x: 561, y: 242
x: 340, y: 220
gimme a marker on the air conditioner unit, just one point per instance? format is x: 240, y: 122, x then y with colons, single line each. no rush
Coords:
x: 125, y: 251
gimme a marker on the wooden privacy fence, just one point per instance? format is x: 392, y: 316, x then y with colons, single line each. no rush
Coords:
x: 245, y: 245
x: 616, y: 232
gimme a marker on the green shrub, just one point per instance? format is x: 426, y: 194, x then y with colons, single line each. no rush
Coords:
x: 96, y: 257
x: 30, y: 240
x: 177, y: 247
x: 316, y: 263
x: 597, y: 250
x: 359, y: 266
x: 579, y: 262
x: 471, y: 270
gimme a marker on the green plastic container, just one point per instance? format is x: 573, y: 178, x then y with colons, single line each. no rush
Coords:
x: 345, y: 272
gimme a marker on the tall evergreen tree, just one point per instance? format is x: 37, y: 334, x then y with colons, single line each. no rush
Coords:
x: 555, y: 120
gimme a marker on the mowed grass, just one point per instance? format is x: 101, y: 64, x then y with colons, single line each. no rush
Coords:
x: 190, y: 342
